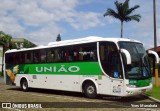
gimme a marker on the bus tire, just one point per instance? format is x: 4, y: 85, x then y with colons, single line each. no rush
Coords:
x: 90, y: 90
x: 24, y: 85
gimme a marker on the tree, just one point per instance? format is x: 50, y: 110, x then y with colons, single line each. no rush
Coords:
x: 123, y: 13
x: 58, y: 38
x: 5, y: 40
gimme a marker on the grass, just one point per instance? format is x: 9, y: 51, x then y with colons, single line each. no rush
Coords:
x: 155, y: 92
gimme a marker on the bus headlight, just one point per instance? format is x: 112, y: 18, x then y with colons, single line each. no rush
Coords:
x: 131, y: 86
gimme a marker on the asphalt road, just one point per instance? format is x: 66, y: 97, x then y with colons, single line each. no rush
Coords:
x: 1, y: 80
x: 71, y: 101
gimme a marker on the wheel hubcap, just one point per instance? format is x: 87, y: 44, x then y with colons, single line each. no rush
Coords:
x: 90, y: 89
x: 24, y: 85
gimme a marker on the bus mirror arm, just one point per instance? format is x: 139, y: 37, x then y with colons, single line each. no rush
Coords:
x: 155, y: 54
x: 127, y: 56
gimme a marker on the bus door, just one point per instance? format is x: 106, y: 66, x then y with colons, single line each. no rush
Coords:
x: 116, y: 74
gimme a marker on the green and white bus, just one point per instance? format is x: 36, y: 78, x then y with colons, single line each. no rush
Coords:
x: 91, y: 65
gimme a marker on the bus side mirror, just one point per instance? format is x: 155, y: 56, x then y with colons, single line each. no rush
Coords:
x: 126, y: 56
x: 155, y: 54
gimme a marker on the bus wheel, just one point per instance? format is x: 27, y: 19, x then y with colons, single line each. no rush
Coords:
x: 90, y: 90
x: 24, y: 85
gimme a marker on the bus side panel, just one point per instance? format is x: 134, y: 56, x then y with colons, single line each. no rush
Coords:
x: 19, y: 77
x: 57, y: 82
x: 104, y: 85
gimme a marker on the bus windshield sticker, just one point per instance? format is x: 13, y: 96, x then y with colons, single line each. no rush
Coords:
x: 116, y: 74
x: 144, y: 73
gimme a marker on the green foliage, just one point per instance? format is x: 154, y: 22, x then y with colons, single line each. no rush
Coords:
x: 123, y: 13
x: 28, y: 44
x: 4, y: 37
x: 155, y: 92
x: 5, y: 40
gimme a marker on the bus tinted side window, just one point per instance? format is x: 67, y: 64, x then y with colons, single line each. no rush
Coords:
x: 50, y: 55
x: 21, y: 57
x: 43, y: 56
x: 36, y: 56
x: 8, y: 58
x: 70, y: 53
x: 28, y: 57
x: 88, y: 52
x: 12, y: 58
x: 53, y: 55
x: 73, y: 53
x: 84, y: 52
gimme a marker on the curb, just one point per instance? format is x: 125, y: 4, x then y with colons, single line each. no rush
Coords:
x: 154, y: 99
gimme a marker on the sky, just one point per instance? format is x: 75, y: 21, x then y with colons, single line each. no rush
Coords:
x: 40, y: 21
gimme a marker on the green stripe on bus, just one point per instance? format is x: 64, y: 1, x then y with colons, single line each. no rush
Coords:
x: 76, y: 68
x: 140, y: 83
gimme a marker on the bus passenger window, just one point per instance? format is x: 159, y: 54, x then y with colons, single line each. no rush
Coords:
x: 87, y: 52
x: 80, y: 54
x: 50, y: 56
x: 61, y: 55
x: 43, y: 56
x: 36, y: 55
x: 76, y: 55
x: 11, y: 58
x: 56, y: 56
x: 14, y: 59
x: 21, y: 57
x: 28, y: 57
x: 71, y: 56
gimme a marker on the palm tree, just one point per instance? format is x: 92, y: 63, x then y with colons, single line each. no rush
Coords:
x: 123, y: 13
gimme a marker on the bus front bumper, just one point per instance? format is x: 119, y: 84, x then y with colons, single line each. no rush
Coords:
x: 138, y: 90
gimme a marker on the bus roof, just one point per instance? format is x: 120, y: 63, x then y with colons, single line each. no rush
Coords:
x: 75, y: 41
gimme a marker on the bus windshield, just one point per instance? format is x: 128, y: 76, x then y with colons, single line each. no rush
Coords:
x: 140, y: 67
